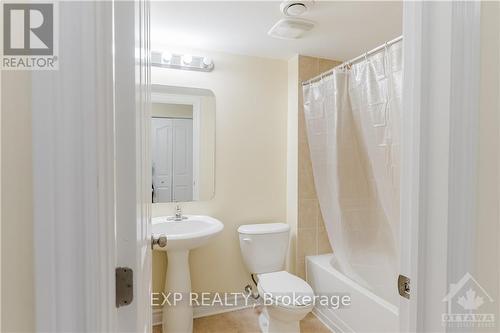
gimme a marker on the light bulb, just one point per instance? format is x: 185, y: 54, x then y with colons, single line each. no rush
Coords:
x: 187, y: 59
x: 207, y: 61
x: 166, y: 57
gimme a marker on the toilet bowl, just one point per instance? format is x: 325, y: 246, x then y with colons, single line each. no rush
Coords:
x: 286, y: 298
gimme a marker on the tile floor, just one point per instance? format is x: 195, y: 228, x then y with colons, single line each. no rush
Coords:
x: 245, y: 321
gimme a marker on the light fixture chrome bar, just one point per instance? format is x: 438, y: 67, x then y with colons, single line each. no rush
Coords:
x: 352, y: 61
x: 181, y: 61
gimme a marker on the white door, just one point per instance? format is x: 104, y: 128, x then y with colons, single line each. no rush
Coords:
x: 182, y: 160
x: 172, y: 159
x: 85, y: 226
x: 439, y: 133
x: 133, y: 161
x: 162, y: 154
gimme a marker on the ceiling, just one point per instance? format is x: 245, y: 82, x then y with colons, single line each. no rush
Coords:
x: 344, y: 29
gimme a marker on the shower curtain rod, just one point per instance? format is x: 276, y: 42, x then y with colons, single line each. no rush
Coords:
x: 352, y: 61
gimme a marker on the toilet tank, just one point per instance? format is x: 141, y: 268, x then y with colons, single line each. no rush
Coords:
x: 264, y: 246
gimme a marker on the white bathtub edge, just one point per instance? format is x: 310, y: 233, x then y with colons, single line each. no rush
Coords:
x: 323, y: 261
x: 333, y: 327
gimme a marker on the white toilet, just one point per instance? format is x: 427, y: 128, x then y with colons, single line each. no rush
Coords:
x: 287, y: 297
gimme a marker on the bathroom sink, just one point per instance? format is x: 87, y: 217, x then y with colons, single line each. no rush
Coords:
x: 187, y: 234
x: 192, y: 232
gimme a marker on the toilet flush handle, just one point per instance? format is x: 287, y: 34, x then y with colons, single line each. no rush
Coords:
x: 248, y: 240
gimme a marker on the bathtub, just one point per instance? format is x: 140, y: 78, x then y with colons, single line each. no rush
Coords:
x: 367, y: 312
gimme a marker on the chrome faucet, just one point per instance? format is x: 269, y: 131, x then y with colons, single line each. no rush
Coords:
x: 178, y: 215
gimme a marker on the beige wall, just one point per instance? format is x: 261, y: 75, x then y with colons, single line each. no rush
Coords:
x: 488, y: 168
x: 171, y: 110
x: 310, y: 233
x: 17, y: 214
x: 292, y: 160
x: 207, y: 147
x: 251, y: 116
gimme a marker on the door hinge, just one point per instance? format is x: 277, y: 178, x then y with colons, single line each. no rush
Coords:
x: 404, y: 286
x: 124, y: 278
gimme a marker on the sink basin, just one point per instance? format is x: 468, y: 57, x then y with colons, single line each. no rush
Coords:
x: 187, y: 234
x: 182, y: 236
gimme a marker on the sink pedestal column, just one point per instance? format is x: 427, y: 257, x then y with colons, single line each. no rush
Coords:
x: 178, y: 315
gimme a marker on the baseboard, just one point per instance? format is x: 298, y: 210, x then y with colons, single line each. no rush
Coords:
x: 157, y: 316
x: 200, y: 311
x: 205, y: 311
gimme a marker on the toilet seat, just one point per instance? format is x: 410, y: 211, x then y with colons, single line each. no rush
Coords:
x: 276, y: 285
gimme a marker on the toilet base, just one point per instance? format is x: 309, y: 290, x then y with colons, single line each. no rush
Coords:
x: 264, y: 322
x: 273, y: 325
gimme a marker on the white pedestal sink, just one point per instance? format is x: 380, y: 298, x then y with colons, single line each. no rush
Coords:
x: 182, y: 236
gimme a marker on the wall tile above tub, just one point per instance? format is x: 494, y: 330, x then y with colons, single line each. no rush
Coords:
x: 312, y: 238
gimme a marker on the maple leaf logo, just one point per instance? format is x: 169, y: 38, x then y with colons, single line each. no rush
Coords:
x: 470, y: 301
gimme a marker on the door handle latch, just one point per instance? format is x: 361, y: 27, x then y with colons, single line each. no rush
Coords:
x: 161, y: 241
x: 404, y: 286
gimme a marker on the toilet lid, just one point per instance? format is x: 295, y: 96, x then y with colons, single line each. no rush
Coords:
x: 263, y: 228
x: 286, y: 287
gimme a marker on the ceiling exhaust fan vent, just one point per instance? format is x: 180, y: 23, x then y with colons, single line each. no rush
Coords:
x: 290, y: 28
x: 295, y: 8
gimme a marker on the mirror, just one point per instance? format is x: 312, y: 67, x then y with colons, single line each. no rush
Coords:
x: 182, y: 144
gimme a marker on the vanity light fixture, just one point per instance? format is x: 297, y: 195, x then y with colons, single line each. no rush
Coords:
x: 181, y: 61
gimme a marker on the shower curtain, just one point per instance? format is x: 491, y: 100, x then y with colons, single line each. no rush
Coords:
x: 353, y: 127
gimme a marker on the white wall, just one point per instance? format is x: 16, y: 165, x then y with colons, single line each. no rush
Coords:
x: 250, y: 181
x: 18, y: 312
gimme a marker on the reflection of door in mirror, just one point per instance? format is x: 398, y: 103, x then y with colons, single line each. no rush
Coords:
x: 182, y: 144
x: 172, y: 163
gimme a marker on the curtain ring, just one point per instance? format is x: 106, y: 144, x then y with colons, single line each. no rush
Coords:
x: 366, y: 56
